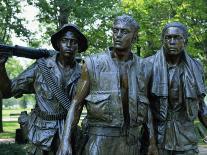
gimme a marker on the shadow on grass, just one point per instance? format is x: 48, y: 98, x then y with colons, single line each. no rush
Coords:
x: 12, y: 149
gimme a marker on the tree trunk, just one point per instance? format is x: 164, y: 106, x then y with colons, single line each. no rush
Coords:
x: 63, y: 13
x: 1, y: 120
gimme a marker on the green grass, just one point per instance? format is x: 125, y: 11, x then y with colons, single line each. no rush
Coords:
x: 12, y: 149
x: 9, y: 128
x: 6, y: 112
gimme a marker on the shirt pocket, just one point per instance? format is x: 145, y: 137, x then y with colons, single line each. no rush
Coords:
x: 98, y: 107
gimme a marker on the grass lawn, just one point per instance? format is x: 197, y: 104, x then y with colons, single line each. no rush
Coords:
x: 9, y: 128
x: 12, y: 149
x: 6, y: 112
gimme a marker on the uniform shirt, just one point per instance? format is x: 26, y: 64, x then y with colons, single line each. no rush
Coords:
x: 31, y: 81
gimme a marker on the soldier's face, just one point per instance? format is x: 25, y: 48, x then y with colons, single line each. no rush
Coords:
x: 123, y: 35
x: 173, y: 41
x: 68, y: 44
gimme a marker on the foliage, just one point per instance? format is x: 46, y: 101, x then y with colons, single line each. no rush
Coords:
x: 154, y: 14
x: 10, y: 20
x: 94, y: 18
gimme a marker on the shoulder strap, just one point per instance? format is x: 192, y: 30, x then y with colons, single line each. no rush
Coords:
x: 56, y: 90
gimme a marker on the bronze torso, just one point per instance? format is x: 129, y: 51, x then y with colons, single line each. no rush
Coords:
x: 105, y: 101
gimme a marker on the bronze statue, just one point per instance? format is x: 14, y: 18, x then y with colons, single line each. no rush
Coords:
x: 113, y: 87
x: 53, y: 81
x: 177, y: 93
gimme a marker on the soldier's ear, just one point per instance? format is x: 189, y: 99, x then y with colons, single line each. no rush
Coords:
x: 58, y: 45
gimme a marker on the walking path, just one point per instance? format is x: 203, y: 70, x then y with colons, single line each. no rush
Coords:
x: 9, y: 140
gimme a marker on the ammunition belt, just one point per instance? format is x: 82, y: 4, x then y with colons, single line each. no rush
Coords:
x: 49, y: 116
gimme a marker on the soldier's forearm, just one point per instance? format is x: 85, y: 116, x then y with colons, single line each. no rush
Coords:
x: 151, y: 128
x: 203, y: 119
x: 202, y: 113
x: 76, y: 105
x: 69, y: 122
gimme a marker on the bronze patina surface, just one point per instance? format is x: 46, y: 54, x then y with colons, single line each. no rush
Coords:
x: 177, y: 93
x: 114, y: 85
x: 46, y: 122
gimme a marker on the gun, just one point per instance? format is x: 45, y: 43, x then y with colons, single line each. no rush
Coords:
x: 25, y: 52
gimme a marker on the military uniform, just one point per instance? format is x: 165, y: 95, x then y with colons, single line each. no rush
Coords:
x: 105, y: 118
x: 46, y: 120
x: 176, y: 98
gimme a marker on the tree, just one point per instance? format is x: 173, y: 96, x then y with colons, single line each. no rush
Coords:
x: 153, y: 15
x: 10, y: 22
x: 94, y: 17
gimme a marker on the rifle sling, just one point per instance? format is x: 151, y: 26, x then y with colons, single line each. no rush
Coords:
x: 56, y: 90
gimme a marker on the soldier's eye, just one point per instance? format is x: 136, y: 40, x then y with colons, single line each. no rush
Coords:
x: 73, y: 41
x: 125, y: 31
x: 115, y: 30
x: 63, y: 40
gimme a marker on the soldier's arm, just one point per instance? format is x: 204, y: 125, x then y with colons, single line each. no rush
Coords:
x: 23, y: 84
x: 74, y: 111
x: 202, y: 113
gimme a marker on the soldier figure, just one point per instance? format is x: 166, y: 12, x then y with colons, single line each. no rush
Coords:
x: 177, y: 93
x: 114, y: 86
x: 46, y: 122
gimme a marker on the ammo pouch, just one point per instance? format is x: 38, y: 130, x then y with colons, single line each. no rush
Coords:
x: 41, y: 132
x: 21, y: 134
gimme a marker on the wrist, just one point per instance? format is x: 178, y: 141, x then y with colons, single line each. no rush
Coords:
x: 152, y: 141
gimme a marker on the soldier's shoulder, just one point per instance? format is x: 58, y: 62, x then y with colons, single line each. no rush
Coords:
x: 144, y: 64
x: 150, y: 59
x: 97, y: 57
x: 197, y: 63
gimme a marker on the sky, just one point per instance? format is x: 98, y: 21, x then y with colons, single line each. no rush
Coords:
x: 29, y: 13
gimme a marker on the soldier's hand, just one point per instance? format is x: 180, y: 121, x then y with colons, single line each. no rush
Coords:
x: 3, y: 59
x: 205, y: 140
x: 64, y: 148
x: 152, y: 150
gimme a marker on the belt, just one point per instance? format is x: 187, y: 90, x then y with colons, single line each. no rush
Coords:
x: 112, y: 131
x: 49, y: 116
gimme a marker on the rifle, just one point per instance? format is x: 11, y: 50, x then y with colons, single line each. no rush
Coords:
x: 25, y: 52
x: 28, y: 52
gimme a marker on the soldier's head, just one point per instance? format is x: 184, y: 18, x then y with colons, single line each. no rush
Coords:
x: 174, y: 38
x: 125, y: 32
x: 69, y: 40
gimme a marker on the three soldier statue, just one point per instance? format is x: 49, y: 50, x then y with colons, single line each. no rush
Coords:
x: 134, y: 105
